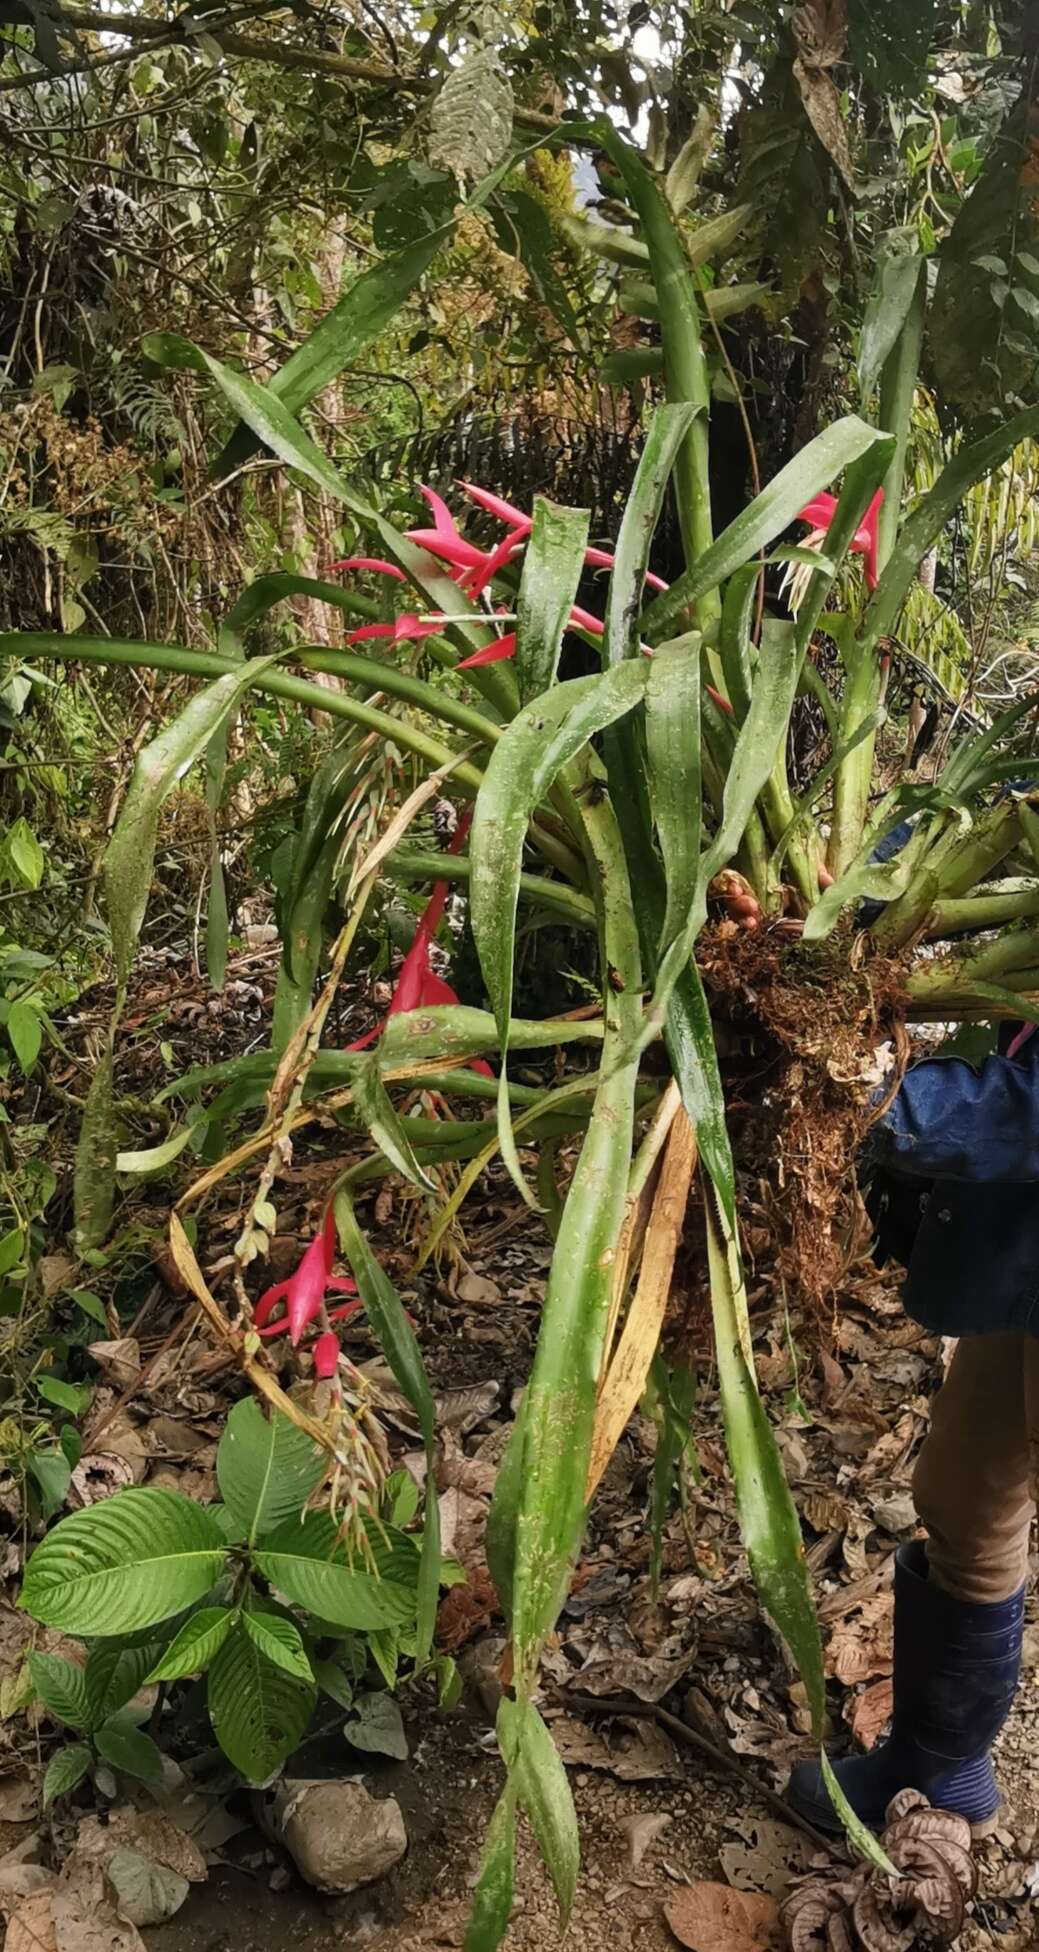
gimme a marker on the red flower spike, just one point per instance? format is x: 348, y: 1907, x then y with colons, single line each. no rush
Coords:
x: 406, y: 625
x: 501, y: 510
x: 496, y: 560
x: 418, y: 985
x: 454, y: 549
x: 819, y: 513
x: 304, y: 1291
x: 602, y: 559
x: 326, y: 1355
x: 585, y: 621
x: 502, y: 647
x: 376, y: 563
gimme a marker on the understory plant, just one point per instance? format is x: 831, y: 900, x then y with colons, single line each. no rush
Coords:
x: 255, y: 1592
x: 650, y: 804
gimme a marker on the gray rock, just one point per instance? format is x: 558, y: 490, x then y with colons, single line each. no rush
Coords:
x: 338, y: 1835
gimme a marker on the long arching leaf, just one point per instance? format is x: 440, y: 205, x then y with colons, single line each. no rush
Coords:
x: 542, y: 738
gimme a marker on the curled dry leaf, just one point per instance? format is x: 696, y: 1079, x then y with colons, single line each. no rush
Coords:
x: 712, y: 1918
x: 924, y: 1904
x: 97, y: 1476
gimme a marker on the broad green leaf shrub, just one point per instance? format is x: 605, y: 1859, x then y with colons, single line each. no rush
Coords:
x: 255, y: 1593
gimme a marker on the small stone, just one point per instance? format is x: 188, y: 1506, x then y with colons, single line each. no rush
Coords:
x: 280, y: 1878
x: 481, y: 1669
x: 641, y: 1831
x: 338, y: 1835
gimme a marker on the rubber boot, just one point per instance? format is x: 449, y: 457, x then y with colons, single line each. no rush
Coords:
x: 956, y: 1672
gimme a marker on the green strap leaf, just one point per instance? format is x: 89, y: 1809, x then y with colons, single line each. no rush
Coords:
x: 396, y: 1338
x: 665, y: 434
x: 130, y: 855
x: 685, y: 367
x: 768, y: 1517
x: 541, y: 1784
x: 673, y: 756
x: 760, y: 738
x: 375, y: 1109
x: 355, y: 320
x: 768, y: 515
x: 734, y: 637
x: 886, y: 312
x: 492, y: 1902
x: 266, y: 1468
x: 272, y: 424
x: 923, y: 527
x: 560, y: 1400
x: 548, y: 585
x: 133, y: 1560
x: 542, y: 738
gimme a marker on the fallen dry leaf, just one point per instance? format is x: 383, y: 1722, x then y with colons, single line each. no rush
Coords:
x: 870, y: 1713
x: 147, y: 1831
x: 712, y: 1918
x: 144, y: 1893
x: 19, y: 1797
x: 32, y: 1927
x: 862, y: 1648
x: 649, y: 1677
x: 634, y: 1752
x: 84, y: 1921
x: 767, y: 1856
x: 888, y: 1455
x: 120, y: 1361
x: 825, y: 1511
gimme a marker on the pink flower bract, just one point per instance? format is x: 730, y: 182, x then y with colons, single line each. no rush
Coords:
x: 326, y: 1355
x: 304, y: 1291
x: 819, y: 513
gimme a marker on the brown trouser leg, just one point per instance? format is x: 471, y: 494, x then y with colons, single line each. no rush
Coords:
x: 974, y: 1483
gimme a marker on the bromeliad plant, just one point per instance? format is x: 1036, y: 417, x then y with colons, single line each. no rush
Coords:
x: 618, y: 800
x: 255, y: 1592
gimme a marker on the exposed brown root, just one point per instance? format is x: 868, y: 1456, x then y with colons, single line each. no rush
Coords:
x: 800, y: 1027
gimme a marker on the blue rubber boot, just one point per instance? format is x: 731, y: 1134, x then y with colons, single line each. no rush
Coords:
x: 957, y: 1666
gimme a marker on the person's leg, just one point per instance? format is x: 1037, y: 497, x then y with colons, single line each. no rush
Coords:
x: 972, y: 1483
x: 959, y: 1599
